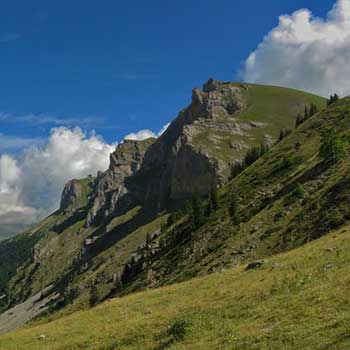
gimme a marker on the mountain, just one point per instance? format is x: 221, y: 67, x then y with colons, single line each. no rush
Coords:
x: 130, y: 228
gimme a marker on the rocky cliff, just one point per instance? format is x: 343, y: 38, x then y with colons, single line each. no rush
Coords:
x: 111, y: 195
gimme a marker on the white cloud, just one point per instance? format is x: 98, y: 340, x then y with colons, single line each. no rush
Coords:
x: 11, y: 206
x: 31, y: 185
x: 305, y: 52
x: 146, y: 134
x: 140, y: 135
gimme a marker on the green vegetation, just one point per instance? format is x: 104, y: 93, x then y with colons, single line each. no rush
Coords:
x: 333, y: 147
x: 308, y: 113
x: 251, y: 156
x: 213, y: 202
x: 332, y: 99
x: 278, y: 198
x: 297, y: 300
x: 196, y: 211
x: 233, y: 208
x: 269, y: 110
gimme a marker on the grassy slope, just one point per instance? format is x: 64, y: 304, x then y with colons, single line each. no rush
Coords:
x: 275, y: 218
x: 275, y: 107
x: 297, y: 300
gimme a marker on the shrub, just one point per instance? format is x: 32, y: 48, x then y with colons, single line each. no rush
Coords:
x: 213, y: 202
x: 333, y: 147
x: 197, y: 217
x: 299, y: 191
x: 180, y: 329
x: 332, y: 99
x: 174, y: 217
x: 283, y: 134
x: 233, y: 208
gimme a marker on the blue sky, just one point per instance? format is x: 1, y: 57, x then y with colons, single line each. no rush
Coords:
x: 117, y: 66
x: 71, y: 70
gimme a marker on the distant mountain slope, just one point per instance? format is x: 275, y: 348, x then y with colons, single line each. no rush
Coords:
x: 287, y: 198
x: 294, y: 301
x: 110, y: 236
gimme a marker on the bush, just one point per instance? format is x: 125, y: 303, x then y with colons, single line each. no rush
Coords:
x: 233, y: 208
x: 174, y: 217
x: 288, y: 162
x: 283, y: 134
x: 333, y: 147
x: 213, y: 202
x: 332, y: 99
x: 299, y: 191
x: 251, y: 156
x: 180, y: 329
x: 197, y: 216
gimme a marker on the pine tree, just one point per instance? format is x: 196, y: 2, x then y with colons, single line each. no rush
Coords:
x: 313, y: 109
x: 94, y: 297
x: 233, y: 208
x: 283, y: 134
x: 196, y: 210
x: 299, y: 120
x: 332, y: 99
x: 236, y: 169
x: 213, y: 201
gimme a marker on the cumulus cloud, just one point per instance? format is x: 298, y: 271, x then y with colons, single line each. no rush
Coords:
x: 30, y: 185
x: 146, y: 134
x: 305, y: 52
x: 140, y: 135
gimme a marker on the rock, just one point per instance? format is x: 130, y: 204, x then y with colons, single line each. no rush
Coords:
x: 111, y: 186
x: 73, y: 191
x: 210, y: 85
x: 327, y: 266
x: 255, y: 265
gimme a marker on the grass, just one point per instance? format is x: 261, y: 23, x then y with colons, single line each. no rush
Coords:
x: 286, y: 198
x: 297, y: 300
x: 275, y: 107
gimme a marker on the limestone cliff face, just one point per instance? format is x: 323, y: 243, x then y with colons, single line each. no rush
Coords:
x: 111, y: 194
x: 193, y: 155
x: 179, y: 164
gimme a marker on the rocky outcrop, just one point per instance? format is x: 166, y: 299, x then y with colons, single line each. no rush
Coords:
x: 111, y: 193
x: 185, y: 159
x: 75, y: 193
x: 179, y: 167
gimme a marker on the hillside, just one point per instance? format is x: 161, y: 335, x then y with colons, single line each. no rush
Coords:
x: 296, y: 300
x: 110, y: 235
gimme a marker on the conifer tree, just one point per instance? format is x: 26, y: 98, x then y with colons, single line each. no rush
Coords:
x: 196, y: 210
x: 299, y: 120
x: 233, y: 208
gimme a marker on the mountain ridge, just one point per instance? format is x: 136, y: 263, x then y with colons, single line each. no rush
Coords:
x: 88, y: 249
